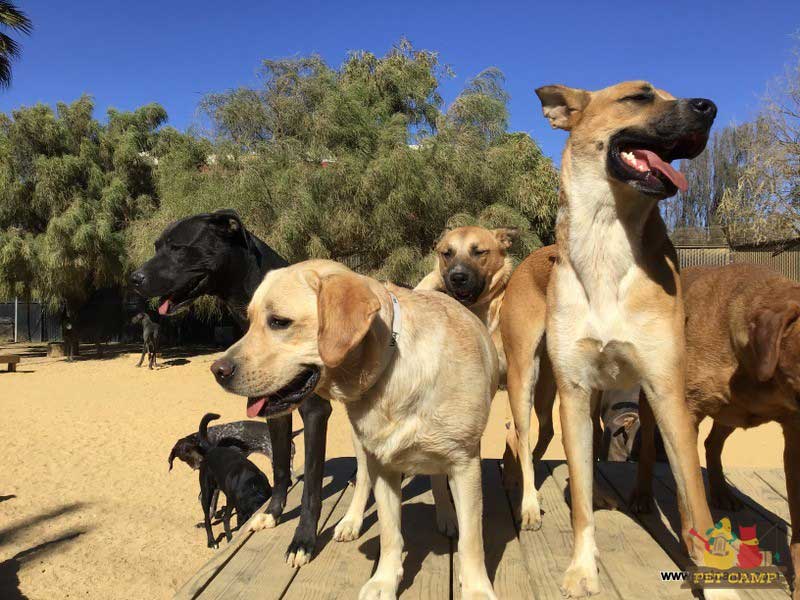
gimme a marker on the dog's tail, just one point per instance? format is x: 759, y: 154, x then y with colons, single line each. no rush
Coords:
x: 205, y: 443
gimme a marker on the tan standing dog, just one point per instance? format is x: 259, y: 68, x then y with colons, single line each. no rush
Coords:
x: 473, y: 266
x: 614, y: 309
x: 743, y: 357
x: 415, y: 371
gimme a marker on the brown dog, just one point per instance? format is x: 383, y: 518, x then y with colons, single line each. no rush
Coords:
x: 614, y: 315
x: 473, y: 267
x: 743, y: 370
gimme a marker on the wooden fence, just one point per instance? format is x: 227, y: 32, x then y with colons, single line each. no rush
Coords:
x: 786, y: 262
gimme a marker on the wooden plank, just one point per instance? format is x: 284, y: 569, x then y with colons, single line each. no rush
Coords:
x: 753, y: 513
x: 341, y: 568
x: 545, y: 552
x: 9, y: 358
x: 427, y: 553
x: 555, y: 535
x: 221, y: 557
x: 632, y: 556
x: 760, y: 495
x: 259, y: 568
x: 505, y: 560
x: 776, y: 479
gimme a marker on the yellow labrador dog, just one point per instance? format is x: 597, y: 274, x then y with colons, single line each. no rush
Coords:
x: 473, y: 266
x: 415, y: 371
x: 614, y: 313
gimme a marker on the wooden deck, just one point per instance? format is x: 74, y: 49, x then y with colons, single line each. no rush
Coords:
x: 633, y: 549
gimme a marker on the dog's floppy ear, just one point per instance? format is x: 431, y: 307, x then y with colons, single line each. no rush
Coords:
x: 563, y: 106
x: 766, y: 330
x: 230, y: 224
x: 505, y: 236
x: 346, y: 308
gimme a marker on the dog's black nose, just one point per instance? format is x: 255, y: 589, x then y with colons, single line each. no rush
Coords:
x: 137, y: 279
x: 222, y: 369
x: 458, y: 278
x: 704, y: 106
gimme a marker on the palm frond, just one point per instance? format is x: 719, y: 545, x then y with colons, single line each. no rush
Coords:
x: 13, y: 18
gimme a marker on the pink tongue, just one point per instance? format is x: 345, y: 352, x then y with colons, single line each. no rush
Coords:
x: 255, y: 408
x: 164, y: 308
x: 655, y: 162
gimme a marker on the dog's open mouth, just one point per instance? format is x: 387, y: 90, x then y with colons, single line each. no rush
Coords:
x: 287, y: 398
x: 183, y: 297
x: 644, y: 162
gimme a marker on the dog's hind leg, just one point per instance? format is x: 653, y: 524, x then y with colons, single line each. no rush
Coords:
x: 465, y: 482
x: 522, y: 375
x: 641, y: 500
x: 144, y: 351
x: 207, y: 489
x: 543, y: 400
x: 446, y: 518
x: 280, y: 433
x: 226, y: 521
x: 315, y: 412
x: 349, y: 528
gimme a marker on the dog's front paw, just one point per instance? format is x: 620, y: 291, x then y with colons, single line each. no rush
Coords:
x: 347, y: 530
x: 530, y: 516
x: 300, y: 551
x: 213, y: 545
x: 447, y: 522
x: 581, y: 581
x: 262, y: 521
x: 641, y: 502
x: 377, y: 589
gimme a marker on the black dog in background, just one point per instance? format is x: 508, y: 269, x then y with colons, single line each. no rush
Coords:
x: 150, y: 337
x: 213, y: 253
x: 245, y: 487
x: 246, y: 436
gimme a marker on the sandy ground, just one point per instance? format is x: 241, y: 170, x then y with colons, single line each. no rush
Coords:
x: 87, y: 506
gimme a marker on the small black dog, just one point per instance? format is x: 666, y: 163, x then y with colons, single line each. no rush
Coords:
x: 245, y: 487
x: 150, y: 336
x: 246, y: 436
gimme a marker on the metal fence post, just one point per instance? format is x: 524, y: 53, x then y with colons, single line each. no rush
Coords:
x: 16, y: 319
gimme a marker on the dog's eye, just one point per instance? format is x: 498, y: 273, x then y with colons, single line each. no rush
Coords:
x: 480, y: 252
x: 643, y: 97
x: 447, y: 253
x: 278, y: 322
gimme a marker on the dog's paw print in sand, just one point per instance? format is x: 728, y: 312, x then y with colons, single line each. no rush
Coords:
x: 262, y: 521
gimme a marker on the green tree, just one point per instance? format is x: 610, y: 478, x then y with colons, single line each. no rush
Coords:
x: 13, y: 19
x: 69, y: 187
x: 360, y: 163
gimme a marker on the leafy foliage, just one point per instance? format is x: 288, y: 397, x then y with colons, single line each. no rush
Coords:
x: 361, y: 163
x: 14, y: 19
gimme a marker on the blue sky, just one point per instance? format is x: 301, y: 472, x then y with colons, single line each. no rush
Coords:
x: 130, y: 53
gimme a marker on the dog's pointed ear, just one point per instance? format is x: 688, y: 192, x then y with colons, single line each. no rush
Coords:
x: 230, y: 224
x: 563, y: 106
x: 346, y: 308
x: 505, y: 236
x: 766, y: 330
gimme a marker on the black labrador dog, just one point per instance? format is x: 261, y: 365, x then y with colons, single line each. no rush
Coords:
x: 150, y: 337
x: 213, y: 253
x: 224, y: 468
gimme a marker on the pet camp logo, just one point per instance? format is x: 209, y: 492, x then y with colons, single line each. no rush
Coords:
x: 735, y: 560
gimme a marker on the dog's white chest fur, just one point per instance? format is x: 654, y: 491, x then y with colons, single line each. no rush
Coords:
x: 592, y: 324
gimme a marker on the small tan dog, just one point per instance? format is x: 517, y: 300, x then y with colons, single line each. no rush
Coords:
x: 416, y: 372
x: 743, y: 357
x: 473, y: 267
x: 614, y: 315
